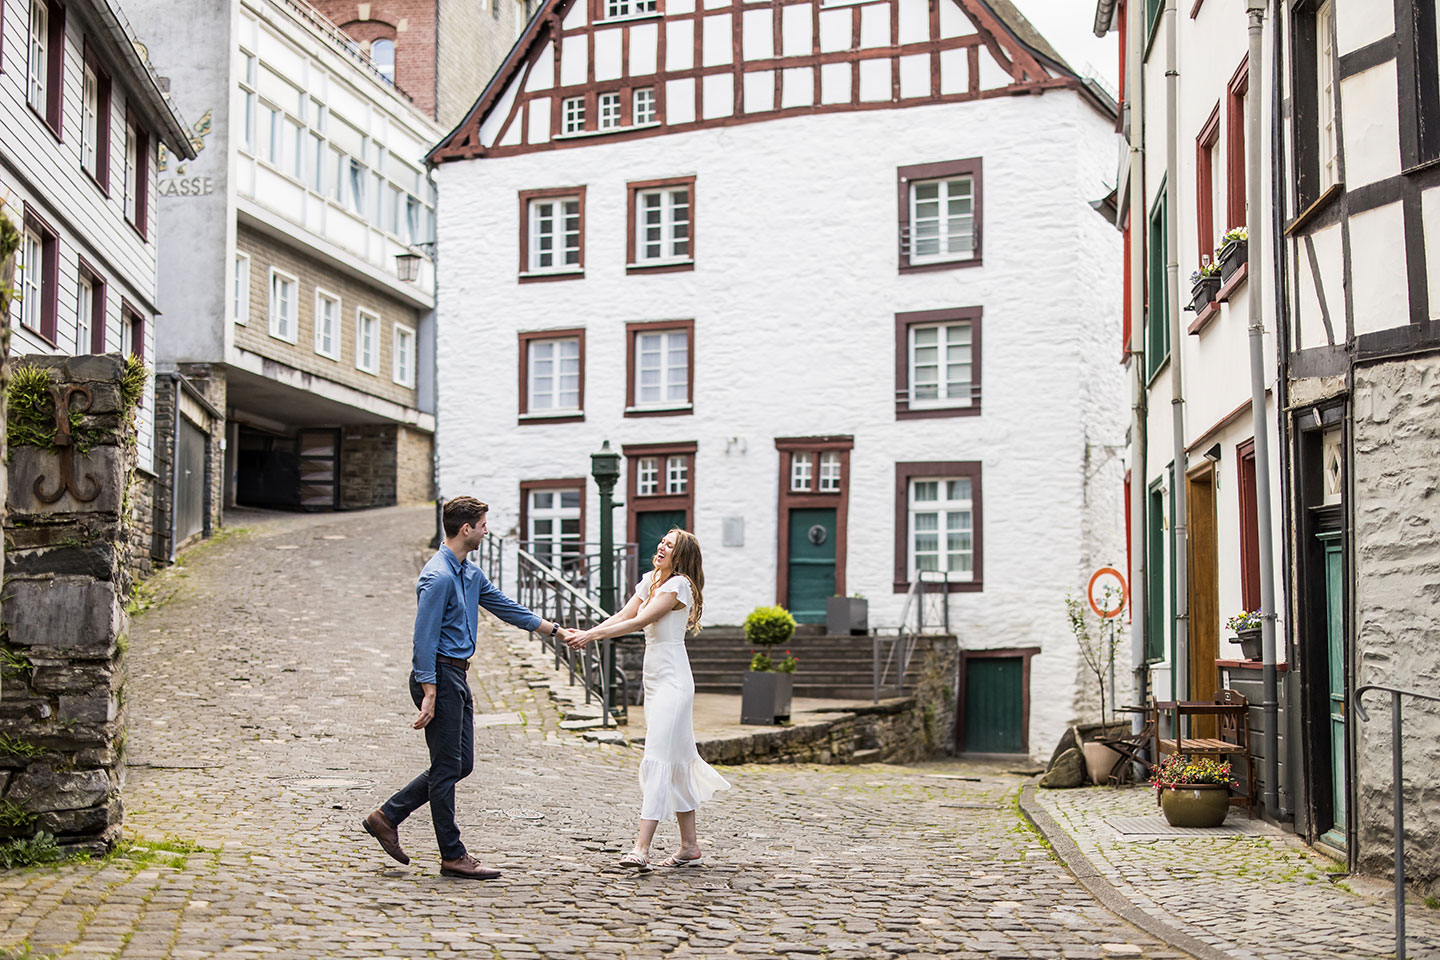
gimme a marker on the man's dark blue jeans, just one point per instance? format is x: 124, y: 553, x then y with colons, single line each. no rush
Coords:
x: 451, y: 739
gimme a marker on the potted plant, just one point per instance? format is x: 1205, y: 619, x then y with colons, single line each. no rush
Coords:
x: 1194, y: 791
x: 1247, y: 627
x: 1232, y: 251
x: 847, y: 615
x: 765, y: 695
x: 1204, y: 284
x: 1097, y: 649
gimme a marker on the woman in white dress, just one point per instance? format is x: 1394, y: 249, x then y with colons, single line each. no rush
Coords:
x: 673, y: 778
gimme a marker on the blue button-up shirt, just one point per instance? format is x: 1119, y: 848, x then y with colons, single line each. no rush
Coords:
x: 445, y: 625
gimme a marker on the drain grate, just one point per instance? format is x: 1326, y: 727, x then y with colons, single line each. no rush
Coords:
x: 327, y: 783
x: 1155, y: 827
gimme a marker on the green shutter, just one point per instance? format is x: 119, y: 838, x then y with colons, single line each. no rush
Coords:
x: 1157, y: 310
x: 1155, y: 577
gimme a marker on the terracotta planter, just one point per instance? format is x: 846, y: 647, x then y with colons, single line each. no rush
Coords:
x: 1195, y: 805
x: 1100, y: 760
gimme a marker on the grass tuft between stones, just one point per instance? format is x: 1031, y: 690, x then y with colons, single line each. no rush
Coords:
x: 28, y: 851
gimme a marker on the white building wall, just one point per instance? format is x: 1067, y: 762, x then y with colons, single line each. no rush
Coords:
x: 793, y: 295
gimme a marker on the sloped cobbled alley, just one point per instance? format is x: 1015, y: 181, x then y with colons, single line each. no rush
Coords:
x: 268, y: 713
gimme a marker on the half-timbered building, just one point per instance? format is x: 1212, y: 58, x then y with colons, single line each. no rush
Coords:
x: 827, y: 275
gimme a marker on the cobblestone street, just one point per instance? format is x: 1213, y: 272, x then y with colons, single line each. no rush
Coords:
x: 268, y: 713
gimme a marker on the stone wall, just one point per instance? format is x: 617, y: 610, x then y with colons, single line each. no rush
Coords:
x: 210, y: 383
x: 140, y: 526
x: 1397, y: 602
x: 414, y: 466
x: 67, y: 579
x: 367, y: 465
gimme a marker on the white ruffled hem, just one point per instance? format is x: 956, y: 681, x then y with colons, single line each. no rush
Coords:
x: 668, y: 788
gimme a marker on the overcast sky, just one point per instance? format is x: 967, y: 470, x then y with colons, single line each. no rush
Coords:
x: 1068, y: 24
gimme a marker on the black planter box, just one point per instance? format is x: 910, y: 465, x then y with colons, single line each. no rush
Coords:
x: 1232, y: 258
x: 1203, y: 292
x: 1250, y: 643
x: 847, y: 615
x: 765, y: 697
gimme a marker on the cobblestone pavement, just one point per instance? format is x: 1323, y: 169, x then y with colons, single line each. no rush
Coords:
x: 268, y: 713
x: 1264, y: 896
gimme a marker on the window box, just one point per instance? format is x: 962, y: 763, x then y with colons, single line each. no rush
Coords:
x: 1203, y: 292
x: 1232, y: 258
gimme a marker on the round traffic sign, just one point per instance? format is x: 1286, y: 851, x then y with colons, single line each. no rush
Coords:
x: 1108, y: 592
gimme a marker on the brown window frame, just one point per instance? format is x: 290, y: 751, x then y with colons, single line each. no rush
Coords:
x: 632, y: 333
x: 635, y: 503
x: 915, y: 318
x: 101, y: 177
x: 1249, y: 525
x: 1236, y: 90
x: 54, y: 115
x: 526, y: 337
x: 49, y: 329
x: 1205, y: 142
x: 561, y: 483
x: 98, y: 293
x: 526, y: 275
x: 972, y: 167
x: 134, y: 321
x: 906, y: 471
x: 632, y: 194
x: 142, y: 173
x: 789, y: 448
x: 597, y: 13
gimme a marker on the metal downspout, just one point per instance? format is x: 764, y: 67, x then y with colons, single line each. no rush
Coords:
x: 1256, y: 10
x: 1180, y: 551
x: 1139, y: 407
x: 174, y: 455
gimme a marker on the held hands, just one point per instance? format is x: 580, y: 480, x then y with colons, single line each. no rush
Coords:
x: 576, y: 639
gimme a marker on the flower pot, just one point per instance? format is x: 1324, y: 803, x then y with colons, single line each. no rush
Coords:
x: 1195, y: 804
x: 847, y: 615
x: 1250, y: 643
x: 1232, y: 258
x: 1100, y: 760
x: 765, y: 697
x: 1203, y: 292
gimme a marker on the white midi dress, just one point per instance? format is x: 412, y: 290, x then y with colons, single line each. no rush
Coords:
x: 673, y: 778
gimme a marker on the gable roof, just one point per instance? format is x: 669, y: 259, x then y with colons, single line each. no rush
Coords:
x: 1010, y: 38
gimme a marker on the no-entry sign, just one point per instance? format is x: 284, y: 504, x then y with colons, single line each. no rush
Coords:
x: 1108, y: 592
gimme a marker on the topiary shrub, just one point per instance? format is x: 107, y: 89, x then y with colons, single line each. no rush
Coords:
x: 768, y: 626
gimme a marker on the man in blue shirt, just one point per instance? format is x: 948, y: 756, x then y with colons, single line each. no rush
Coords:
x: 450, y: 592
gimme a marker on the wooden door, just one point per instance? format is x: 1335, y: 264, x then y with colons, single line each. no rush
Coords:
x: 1335, y: 668
x: 1204, y: 599
x: 994, y: 705
x: 812, y: 563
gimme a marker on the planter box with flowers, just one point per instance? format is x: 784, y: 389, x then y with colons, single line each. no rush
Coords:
x: 766, y: 693
x: 1232, y: 252
x: 1204, y: 284
x: 1247, y: 627
x: 1193, y: 791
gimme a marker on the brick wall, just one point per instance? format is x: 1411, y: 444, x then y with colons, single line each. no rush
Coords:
x: 367, y: 465
x: 414, y: 466
x: 312, y: 273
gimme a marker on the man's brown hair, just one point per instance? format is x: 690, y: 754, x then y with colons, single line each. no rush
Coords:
x: 460, y: 511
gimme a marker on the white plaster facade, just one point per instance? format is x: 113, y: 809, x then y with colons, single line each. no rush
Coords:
x: 794, y: 294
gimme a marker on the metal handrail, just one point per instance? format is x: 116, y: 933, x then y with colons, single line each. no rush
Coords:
x: 905, y: 639
x: 1397, y: 793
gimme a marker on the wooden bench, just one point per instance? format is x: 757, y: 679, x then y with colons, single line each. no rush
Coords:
x: 1233, y: 713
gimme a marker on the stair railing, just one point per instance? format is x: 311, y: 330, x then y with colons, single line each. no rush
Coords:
x: 902, y: 646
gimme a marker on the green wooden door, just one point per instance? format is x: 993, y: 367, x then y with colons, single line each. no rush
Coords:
x: 994, y: 700
x: 812, y: 564
x: 1335, y: 644
x: 650, y: 529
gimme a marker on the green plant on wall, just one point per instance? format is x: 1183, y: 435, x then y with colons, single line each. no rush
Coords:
x: 9, y: 243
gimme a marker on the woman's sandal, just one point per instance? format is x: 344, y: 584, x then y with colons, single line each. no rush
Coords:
x: 676, y: 861
x: 635, y: 860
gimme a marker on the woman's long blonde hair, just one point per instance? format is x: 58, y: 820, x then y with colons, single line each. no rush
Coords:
x: 685, y: 560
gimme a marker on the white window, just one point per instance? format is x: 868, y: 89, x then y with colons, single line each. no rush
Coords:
x: 1217, y: 186
x: 942, y: 533
x: 402, y: 355
x: 829, y: 473
x: 628, y: 8
x: 942, y: 220
x: 800, y: 466
x: 1325, y: 95
x: 317, y: 163
x: 32, y: 270
x: 664, y: 225
x: 339, y: 172
x: 270, y: 122
x: 647, y: 477
x: 357, y: 186
x: 414, y: 217
x: 940, y: 365
x: 39, y: 74
x: 554, y: 375
x: 240, y: 293
x: 127, y: 335
x: 284, y: 306
x: 676, y: 475
x: 609, y: 111
x: 377, y: 195
x: 644, y: 106
x: 367, y: 341
x: 553, y: 517
x: 573, y: 112
x: 247, y: 93
x: 662, y: 368
x: 382, y: 54
x: 554, y: 234
x: 90, y: 123
x: 84, y: 314
x: 327, y: 324
x: 132, y: 174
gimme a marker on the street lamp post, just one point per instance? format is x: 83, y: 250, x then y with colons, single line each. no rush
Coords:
x: 605, y: 468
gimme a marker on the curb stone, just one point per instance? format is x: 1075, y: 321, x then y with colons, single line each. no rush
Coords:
x: 1108, y: 894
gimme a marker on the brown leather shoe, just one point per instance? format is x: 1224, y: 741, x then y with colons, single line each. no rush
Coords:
x: 467, y: 868
x: 380, y: 827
